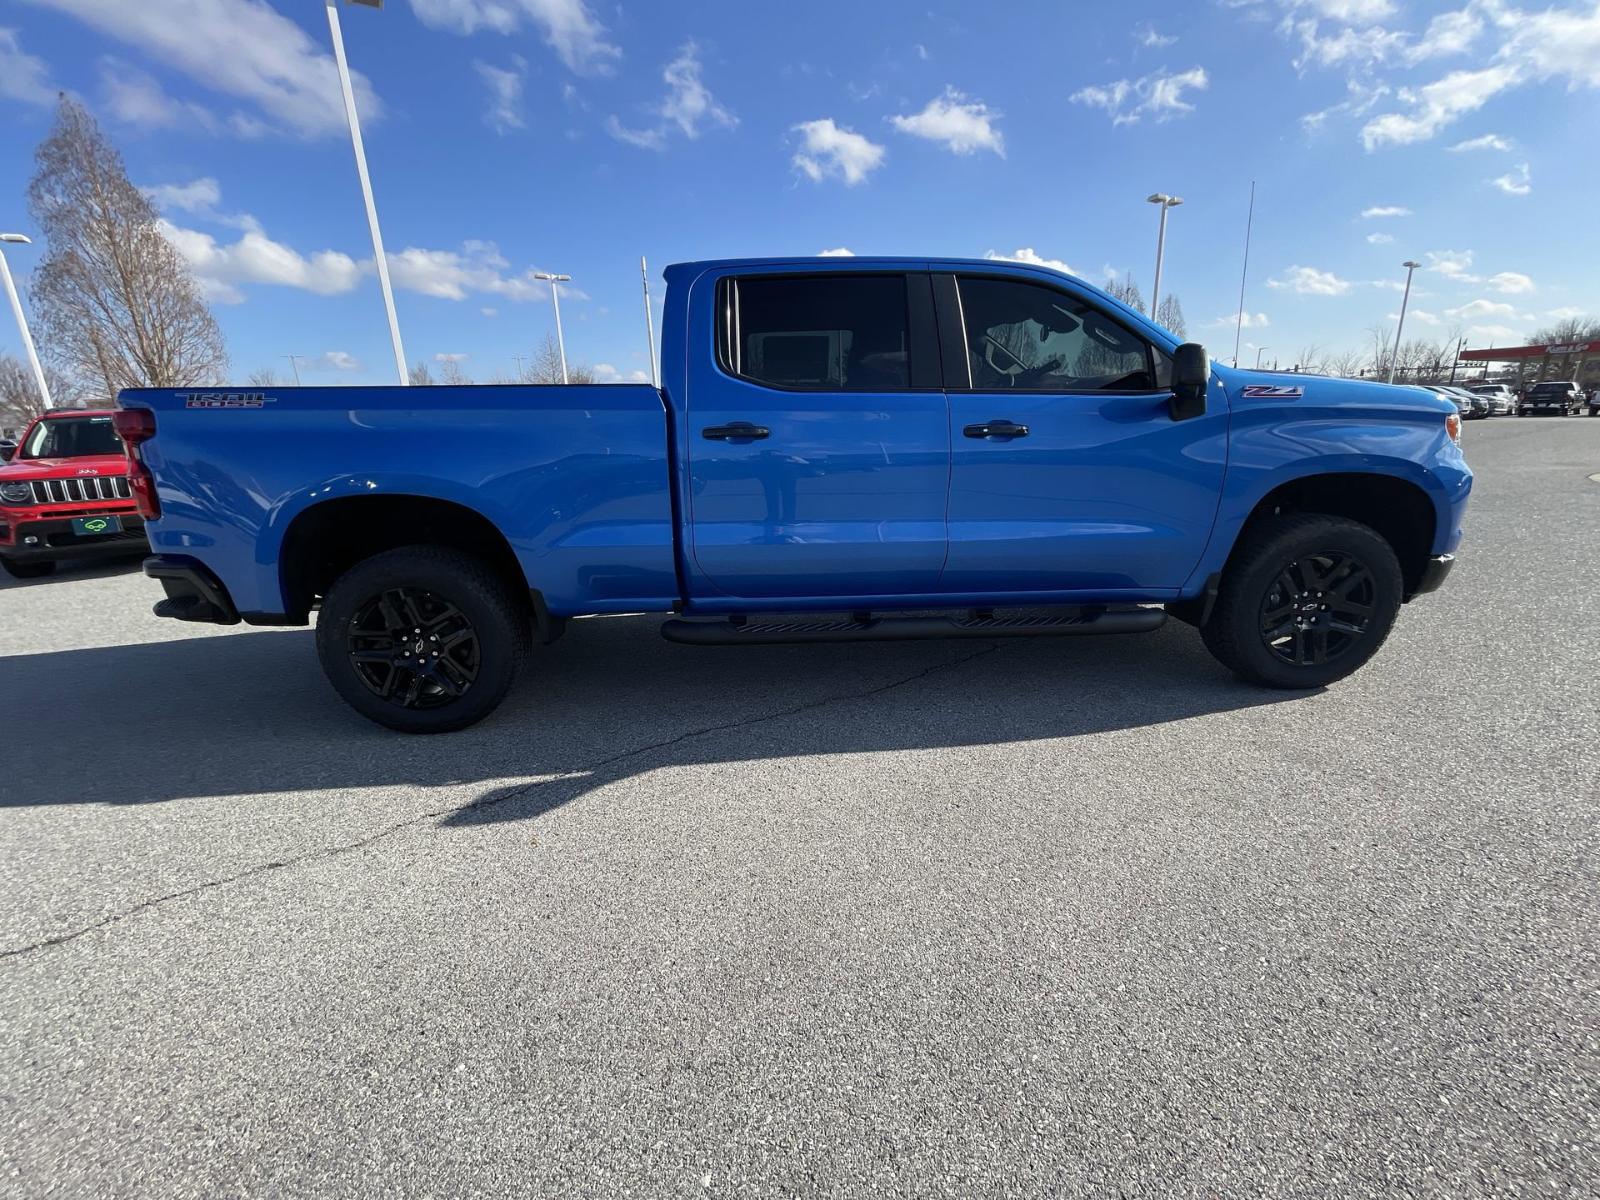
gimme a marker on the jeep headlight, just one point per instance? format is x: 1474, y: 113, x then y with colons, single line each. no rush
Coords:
x: 16, y: 493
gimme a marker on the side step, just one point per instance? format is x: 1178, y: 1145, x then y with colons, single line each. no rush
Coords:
x: 864, y: 628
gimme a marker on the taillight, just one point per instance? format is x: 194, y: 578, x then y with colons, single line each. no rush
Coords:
x: 133, y: 426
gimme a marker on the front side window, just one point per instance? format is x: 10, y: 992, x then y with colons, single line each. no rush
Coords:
x: 1028, y: 336
x: 72, y: 437
x: 822, y: 332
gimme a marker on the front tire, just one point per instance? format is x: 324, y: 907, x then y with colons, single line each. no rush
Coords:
x: 28, y: 570
x: 422, y: 639
x: 1305, y: 600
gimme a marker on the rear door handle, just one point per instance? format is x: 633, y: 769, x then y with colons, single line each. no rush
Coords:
x: 996, y: 429
x: 735, y: 431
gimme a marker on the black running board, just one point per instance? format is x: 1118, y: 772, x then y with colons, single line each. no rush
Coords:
x: 771, y: 631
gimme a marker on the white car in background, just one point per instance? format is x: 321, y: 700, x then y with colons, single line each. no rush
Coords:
x: 1502, y: 400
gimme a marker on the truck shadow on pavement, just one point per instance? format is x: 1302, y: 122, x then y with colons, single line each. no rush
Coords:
x: 249, y: 714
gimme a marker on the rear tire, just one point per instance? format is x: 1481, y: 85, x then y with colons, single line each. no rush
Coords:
x: 28, y: 570
x: 1305, y: 600
x: 422, y: 639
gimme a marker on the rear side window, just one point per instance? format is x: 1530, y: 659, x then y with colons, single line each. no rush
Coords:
x: 816, y: 332
x: 1031, y: 337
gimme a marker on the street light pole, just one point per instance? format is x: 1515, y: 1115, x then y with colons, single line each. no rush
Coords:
x: 366, y: 182
x: 555, y: 300
x: 294, y: 365
x: 1259, y: 349
x: 1166, y: 202
x: 1411, y: 268
x: 1456, y: 361
x: 18, y: 239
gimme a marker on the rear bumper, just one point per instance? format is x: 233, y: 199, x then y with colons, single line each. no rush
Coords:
x: 51, y: 539
x: 193, y: 593
x: 1434, y: 574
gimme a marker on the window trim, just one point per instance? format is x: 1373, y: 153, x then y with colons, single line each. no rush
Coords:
x: 920, y: 341
x: 1003, y: 277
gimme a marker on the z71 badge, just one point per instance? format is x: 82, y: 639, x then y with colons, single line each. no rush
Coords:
x: 226, y: 399
x: 1270, y: 391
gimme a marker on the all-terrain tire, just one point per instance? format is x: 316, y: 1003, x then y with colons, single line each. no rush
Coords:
x: 1276, y: 566
x: 398, y: 612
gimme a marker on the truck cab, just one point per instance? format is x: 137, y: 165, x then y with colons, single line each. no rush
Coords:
x: 64, y: 494
x: 838, y: 448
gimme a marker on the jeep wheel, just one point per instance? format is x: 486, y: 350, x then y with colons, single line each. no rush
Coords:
x: 1305, y: 600
x: 422, y: 639
x: 28, y: 570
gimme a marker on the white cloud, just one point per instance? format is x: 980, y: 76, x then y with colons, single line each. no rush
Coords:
x: 1482, y: 308
x: 837, y: 252
x: 450, y: 358
x: 1147, y: 36
x: 1510, y: 283
x: 1515, y: 182
x: 1385, y: 210
x: 340, y: 360
x: 1489, y: 141
x: 1158, y: 95
x: 568, y: 26
x: 607, y: 373
x: 1373, y: 44
x: 255, y: 258
x: 830, y: 149
x: 1436, y: 105
x: 478, y: 268
x: 1309, y: 281
x: 1448, y: 33
x: 489, y: 312
x: 1249, y: 320
x: 1565, y: 313
x: 1453, y: 264
x: 1494, y: 333
x: 1380, y: 239
x: 240, y: 48
x: 922, y: 51
x: 688, y: 106
x: 197, y: 196
x: 136, y: 97
x: 1027, y: 254
x: 505, y: 93
x: 1419, y: 315
x: 963, y: 125
x: 23, y: 76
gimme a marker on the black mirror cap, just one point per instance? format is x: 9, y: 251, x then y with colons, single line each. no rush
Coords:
x: 1191, y: 371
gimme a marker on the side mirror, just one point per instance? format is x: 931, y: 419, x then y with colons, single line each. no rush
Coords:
x: 1191, y: 371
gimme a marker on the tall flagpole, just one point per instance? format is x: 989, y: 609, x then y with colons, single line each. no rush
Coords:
x: 649, y: 323
x: 1249, y: 223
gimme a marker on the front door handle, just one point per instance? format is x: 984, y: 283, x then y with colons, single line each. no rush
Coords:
x: 736, y: 431
x: 996, y: 429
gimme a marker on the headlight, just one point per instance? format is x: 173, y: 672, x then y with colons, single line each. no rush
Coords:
x: 16, y: 493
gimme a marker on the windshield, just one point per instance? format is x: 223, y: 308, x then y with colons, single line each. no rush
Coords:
x: 1546, y: 389
x: 72, y: 437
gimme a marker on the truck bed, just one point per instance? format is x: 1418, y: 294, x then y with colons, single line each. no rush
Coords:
x: 573, y: 476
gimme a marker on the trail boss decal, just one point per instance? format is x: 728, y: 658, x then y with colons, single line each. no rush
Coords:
x: 226, y: 399
x: 1272, y: 391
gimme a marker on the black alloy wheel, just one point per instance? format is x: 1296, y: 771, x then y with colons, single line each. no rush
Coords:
x: 1317, y: 608
x: 413, y: 649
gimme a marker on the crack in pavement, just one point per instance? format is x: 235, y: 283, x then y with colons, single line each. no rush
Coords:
x: 482, y: 803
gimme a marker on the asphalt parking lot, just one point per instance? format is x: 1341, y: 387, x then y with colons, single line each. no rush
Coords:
x: 1079, y: 916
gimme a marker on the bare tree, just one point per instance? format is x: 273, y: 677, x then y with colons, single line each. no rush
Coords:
x: 451, y: 372
x: 1170, y: 316
x: 1127, y: 291
x: 545, y: 366
x: 1311, y: 360
x: 117, y: 305
x: 1347, y: 364
x: 265, y: 377
x: 20, y: 401
x: 420, y: 376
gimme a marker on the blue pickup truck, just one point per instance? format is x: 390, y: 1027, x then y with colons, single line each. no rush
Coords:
x: 853, y: 450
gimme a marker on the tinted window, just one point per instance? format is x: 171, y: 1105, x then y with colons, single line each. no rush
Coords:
x: 836, y: 332
x: 72, y: 437
x: 1024, y: 335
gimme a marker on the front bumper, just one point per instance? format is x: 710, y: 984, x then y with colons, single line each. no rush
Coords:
x: 1434, y: 574
x: 43, y: 539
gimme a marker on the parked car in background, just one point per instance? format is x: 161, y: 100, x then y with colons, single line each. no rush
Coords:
x: 1479, y: 406
x: 1502, y: 400
x: 1559, y: 398
x: 66, y: 493
x: 1594, y: 403
x: 1462, y: 403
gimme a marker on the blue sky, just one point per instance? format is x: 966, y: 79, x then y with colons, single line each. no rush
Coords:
x: 507, y: 136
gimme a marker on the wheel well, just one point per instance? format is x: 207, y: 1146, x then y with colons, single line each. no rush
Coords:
x: 329, y: 538
x: 1399, y: 510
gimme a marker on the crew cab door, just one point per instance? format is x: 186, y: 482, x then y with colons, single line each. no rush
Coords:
x: 1068, y: 471
x: 818, y: 437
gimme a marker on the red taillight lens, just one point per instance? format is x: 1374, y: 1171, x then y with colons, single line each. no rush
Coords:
x: 133, y: 426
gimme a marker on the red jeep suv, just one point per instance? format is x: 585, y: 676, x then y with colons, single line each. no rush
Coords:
x: 65, y: 493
